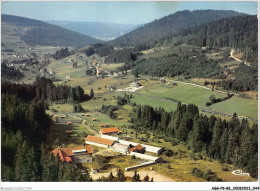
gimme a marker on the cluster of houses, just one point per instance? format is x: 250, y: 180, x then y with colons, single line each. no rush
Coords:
x: 109, y: 140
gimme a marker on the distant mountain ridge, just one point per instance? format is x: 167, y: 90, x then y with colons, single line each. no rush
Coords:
x: 167, y: 25
x: 98, y: 30
x: 41, y: 33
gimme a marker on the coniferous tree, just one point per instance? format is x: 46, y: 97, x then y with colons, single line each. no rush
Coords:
x: 146, y: 178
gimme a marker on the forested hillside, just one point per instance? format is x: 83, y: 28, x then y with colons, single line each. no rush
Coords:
x: 239, y: 32
x: 232, y: 142
x: 41, y: 33
x: 167, y: 25
x: 23, y: 135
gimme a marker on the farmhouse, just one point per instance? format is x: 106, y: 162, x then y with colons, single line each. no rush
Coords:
x: 115, y: 75
x: 148, y: 148
x: 68, y: 154
x: 68, y: 77
x: 109, y: 131
x: 101, y: 142
x: 138, y: 148
x: 135, y: 84
x: 99, y: 71
x: 162, y: 80
x: 110, y: 88
x: 68, y: 132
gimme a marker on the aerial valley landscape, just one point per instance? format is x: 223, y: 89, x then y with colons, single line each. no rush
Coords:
x: 170, y: 100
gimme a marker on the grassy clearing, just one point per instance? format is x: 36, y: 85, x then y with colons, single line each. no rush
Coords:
x: 104, y: 119
x: 199, y: 96
x: 123, y: 161
x: 110, y: 66
x: 242, y: 106
x: 57, y: 135
x: 182, y: 92
x: 163, y: 51
x: 141, y: 100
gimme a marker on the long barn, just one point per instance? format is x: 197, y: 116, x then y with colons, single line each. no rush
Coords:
x: 98, y: 141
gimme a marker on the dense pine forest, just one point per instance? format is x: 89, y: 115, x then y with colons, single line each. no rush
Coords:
x: 23, y: 134
x: 167, y: 25
x: 44, y: 89
x: 239, y: 32
x: 231, y: 142
x: 190, y: 64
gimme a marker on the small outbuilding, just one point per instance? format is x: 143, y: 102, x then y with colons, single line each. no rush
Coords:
x: 109, y: 131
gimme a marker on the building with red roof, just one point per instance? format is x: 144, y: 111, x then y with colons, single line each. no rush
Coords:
x: 98, y: 141
x: 138, y: 148
x: 68, y: 154
x: 109, y: 131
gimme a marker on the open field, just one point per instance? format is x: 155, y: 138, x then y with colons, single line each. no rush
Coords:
x: 163, y: 51
x: 242, y: 106
x: 141, y: 100
x: 104, y: 119
x: 199, y: 96
x: 57, y: 135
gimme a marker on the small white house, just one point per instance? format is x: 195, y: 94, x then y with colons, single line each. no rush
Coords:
x: 135, y: 84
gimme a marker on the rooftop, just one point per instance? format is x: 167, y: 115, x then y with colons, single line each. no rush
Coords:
x: 109, y: 130
x: 66, y: 153
x: 137, y: 147
x: 99, y: 140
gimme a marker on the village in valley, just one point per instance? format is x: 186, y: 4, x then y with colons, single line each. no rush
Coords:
x: 100, y: 143
x: 170, y: 109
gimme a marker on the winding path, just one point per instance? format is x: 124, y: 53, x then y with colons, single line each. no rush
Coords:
x: 237, y: 59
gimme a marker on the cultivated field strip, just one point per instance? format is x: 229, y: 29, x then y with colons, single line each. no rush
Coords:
x: 200, y: 108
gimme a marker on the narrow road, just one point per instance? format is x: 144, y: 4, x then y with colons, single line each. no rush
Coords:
x: 84, y: 124
x: 231, y: 55
x: 200, y: 108
x: 200, y: 86
x: 88, y: 127
x: 237, y: 59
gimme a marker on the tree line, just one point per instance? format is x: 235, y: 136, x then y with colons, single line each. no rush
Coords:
x: 24, y: 131
x: 62, y: 53
x: 238, y: 32
x: 231, y: 142
x: 121, y: 56
x: 245, y: 79
x: 149, y: 34
x: 190, y: 64
x: 8, y: 73
x: 44, y: 89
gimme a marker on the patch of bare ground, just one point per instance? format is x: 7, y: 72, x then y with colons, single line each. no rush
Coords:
x: 152, y: 174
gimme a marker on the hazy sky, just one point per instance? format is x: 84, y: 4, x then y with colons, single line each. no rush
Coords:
x: 129, y: 12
